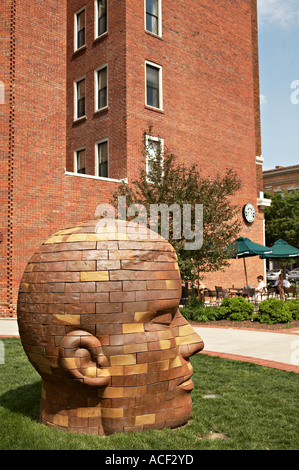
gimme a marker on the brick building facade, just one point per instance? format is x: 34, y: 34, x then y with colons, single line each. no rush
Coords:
x: 84, y: 79
x: 281, y: 178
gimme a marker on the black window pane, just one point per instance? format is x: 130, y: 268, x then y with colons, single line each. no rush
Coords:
x: 81, y: 107
x: 153, y: 97
x: 81, y: 29
x: 81, y: 38
x: 81, y: 166
x: 103, y: 170
x: 152, y: 24
x: 102, y: 6
x: 103, y: 159
x: 81, y: 20
x: 152, y: 16
x: 152, y: 86
x: 81, y: 98
x: 152, y: 74
x: 102, y: 16
x: 102, y: 83
x: 103, y: 98
x: 152, y: 7
x: 102, y: 26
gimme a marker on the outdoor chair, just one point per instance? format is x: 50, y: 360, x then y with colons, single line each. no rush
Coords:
x: 206, y: 296
x: 272, y: 293
x: 213, y: 295
x: 259, y: 297
x: 220, y: 293
x: 250, y: 292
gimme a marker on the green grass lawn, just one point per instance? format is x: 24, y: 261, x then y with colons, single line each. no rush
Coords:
x: 257, y: 410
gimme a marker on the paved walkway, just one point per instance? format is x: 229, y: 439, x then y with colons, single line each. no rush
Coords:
x: 278, y: 349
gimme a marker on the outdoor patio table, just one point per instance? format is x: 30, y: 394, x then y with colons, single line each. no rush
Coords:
x: 235, y: 291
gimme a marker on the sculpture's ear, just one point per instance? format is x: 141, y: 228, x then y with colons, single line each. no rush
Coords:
x: 80, y: 354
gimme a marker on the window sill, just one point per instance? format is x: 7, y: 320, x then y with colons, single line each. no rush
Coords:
x: 151, y: 108
x: 157, y: 36
x: 98, y: 112
x: 79, y: 120
x: 99, y: 38
x: 80, y: 175
x: 80, y: 50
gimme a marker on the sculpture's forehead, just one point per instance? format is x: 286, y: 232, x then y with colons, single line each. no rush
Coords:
x: 91, y: 270
x: 92, y: 248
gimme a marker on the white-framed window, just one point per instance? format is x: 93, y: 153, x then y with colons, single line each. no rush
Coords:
x: 101, y: 17
x: 80, y: 92
x: 2, y: 93
x: 154, y: 147
x: 153, y: 16
x: 153, y: 85
x: 101, y: 87
x: 80, y: 29
x: 102, y: 158
x: 80, y: 161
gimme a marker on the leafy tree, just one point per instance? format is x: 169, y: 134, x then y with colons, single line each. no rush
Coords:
x: 282, y: 218
x: 171, y: 182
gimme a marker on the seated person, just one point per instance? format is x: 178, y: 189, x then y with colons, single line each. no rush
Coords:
x: 282, y: 283
x: 261, y: 287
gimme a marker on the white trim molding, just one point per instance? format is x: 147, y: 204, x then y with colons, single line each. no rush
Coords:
x: 259, y: 160
x: 70, y: 173
x: 262, y: 202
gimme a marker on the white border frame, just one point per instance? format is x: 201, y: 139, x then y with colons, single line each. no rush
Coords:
x: 75, y: 159
x: 159, y: 19
x: 76, y: 118
x: 97, y: 157
x: 96, y: 88
x: 76, y: 48
x: 92, y: 177
x: 160, y: 68
x: 96, y: 23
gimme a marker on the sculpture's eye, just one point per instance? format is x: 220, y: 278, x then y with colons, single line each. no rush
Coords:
x: 162, y: 319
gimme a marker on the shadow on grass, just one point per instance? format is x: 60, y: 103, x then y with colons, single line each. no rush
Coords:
x: 24, y: 400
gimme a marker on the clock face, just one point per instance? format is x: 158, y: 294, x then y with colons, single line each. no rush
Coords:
x: 249, y: 213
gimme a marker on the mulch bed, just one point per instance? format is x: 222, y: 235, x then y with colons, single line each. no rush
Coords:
x: 255, y: 325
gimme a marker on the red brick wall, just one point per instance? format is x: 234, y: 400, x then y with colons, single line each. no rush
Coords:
x: 107, y: 124
x: 5, y: 148
x: 43, y: 199
x: 210, y: 114
x: 208, y: 117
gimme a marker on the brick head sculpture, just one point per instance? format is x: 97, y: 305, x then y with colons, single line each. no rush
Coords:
x: 98, y: 319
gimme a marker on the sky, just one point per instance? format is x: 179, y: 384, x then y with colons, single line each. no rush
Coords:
x: 279, y: 81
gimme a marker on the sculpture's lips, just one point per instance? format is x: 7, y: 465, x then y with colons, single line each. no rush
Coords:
x: 187, y: 384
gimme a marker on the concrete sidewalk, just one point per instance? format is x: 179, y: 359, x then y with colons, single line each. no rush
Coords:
x: 8, y: 328
x: 278, y: 349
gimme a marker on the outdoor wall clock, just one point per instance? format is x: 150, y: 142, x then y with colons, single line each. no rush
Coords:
x: 249, y: 213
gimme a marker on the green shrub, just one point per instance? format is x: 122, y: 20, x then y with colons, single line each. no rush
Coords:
x: 235, y: 309
x: 273, y: 311
x: 195, y: 310
x: 293, y: 307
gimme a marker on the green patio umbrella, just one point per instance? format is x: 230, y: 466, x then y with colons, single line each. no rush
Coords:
x: 282, y: 250
x: 244, y: 248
